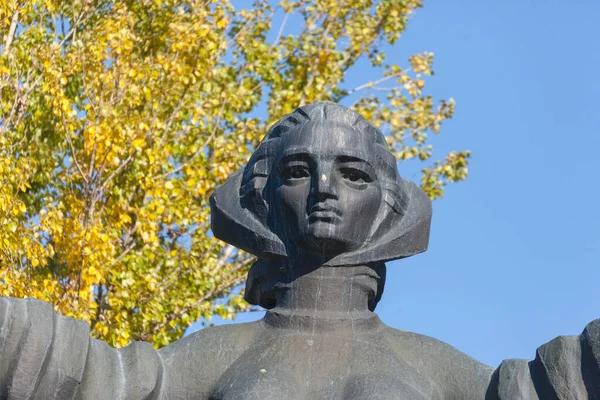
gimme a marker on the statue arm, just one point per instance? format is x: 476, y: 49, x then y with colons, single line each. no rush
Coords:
x: 567, y: 367
x: 47, y: 356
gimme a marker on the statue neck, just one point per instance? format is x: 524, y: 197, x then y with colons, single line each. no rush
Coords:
x: 322, y: 295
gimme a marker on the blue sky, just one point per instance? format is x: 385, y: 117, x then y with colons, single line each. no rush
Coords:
x: 514, y: 257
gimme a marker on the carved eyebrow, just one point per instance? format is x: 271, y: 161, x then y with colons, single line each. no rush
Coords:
x: 302, y: 153
x: 346, y: 158
x: 292, y: 155
x: 347, y: 161
x: 296, y: 155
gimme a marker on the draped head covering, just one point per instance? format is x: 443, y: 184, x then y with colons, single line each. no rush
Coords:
x: 240, y: 207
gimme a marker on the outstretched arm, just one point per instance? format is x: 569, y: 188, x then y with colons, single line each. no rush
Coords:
x: 566, y: 368
x: 46, y: 356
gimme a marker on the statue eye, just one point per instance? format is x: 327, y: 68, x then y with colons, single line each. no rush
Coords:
x: 295, y: 172
x: 355, y: 175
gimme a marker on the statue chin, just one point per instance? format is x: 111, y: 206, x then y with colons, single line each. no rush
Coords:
x: 324, y: 244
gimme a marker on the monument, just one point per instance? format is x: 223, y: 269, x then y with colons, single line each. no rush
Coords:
x: 322, y: 206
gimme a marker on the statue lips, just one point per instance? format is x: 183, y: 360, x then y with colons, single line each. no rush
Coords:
x: 321, y: 212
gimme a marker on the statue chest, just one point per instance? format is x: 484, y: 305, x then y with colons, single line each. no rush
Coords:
x: 298, y: 366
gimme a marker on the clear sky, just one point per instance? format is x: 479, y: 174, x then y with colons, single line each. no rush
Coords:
x: 514, y: 256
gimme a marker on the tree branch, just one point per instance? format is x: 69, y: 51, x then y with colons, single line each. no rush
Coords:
x: 372, y: 84
x: 68, y: 137
x: 173, y: 316
x: 200, y: 149
x: 283, y: 23
x: 11, y: 32
x: 119, y: 168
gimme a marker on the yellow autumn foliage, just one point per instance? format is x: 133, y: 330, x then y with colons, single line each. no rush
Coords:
x: 119, y: 118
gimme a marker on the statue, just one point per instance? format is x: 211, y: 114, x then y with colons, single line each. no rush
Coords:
x: 322, y: 206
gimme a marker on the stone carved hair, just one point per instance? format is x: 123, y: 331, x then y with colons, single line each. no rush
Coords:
x: 241, y: 212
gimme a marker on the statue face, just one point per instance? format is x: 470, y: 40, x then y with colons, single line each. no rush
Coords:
x: 327, y: 191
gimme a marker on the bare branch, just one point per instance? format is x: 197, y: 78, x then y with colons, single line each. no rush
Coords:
x: 175, y: 275
x: 281, y: 29
x: 123, y: 253
x: 371, y: 85
x: 208, y: 295
x: 104, y: 161
x: 100, y: 302
x: 95, y: 108
x: 22, y: 101
x: 313, y: 74
x: 225, y: 256
x: 201, y: 148
x: 11, y: 32
x: 119, y: 169
x: 68, y: 137
x: 246, y: 24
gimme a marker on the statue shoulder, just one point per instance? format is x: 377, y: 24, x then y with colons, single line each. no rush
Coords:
x: 423, y: 348
x: 193, y: 364
x: 459, y: 375
x: 213, y: 341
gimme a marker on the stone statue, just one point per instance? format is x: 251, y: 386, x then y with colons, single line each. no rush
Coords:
x: 322, y: 206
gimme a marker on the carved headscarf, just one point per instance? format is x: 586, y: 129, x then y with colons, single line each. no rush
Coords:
x: 240, y: 207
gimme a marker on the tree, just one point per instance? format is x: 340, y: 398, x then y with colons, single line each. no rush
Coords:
x: 118, y: 120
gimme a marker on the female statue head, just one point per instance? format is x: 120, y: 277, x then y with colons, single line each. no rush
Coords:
x: 322, y: 183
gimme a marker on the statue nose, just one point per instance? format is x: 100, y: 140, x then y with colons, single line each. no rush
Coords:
x: 324, y: 185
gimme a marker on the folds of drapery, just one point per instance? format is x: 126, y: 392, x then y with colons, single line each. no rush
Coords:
x: 47, y: 356
x: 566, y: 368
